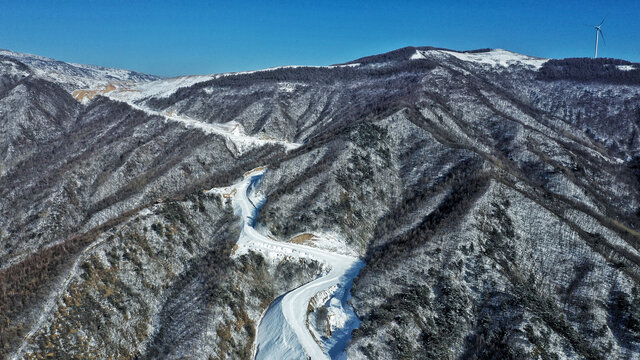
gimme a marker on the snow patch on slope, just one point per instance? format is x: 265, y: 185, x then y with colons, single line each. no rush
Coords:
x: 417, y: 56
x: 494, y: 58
x: 160, y: 88
x: 626, y: 67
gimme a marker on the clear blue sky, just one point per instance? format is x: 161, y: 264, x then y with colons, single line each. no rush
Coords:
x: 200, y: 37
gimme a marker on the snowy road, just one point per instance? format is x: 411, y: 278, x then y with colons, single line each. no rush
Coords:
x: 283, y: 331
x: 232, y: 130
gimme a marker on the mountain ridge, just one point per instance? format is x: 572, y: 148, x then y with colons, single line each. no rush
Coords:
x: 495, y: 207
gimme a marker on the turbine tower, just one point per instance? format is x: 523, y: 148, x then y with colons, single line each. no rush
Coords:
x: 598, y: 33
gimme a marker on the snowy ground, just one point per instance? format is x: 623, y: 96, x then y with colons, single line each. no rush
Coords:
x: 283, y: 332
x: 493, y: 58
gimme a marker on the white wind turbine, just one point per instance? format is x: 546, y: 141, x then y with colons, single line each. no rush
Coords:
x: 598, y: 33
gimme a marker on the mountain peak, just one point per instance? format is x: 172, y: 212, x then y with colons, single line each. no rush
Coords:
x: 494, y: 58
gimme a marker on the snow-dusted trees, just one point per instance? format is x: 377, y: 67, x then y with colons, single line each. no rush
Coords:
x: 601, y: 70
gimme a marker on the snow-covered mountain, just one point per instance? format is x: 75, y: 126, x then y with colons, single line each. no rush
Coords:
x: 75, y: 76
x: 419, y: 204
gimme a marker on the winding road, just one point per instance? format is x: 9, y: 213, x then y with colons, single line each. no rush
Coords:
x: 283, y: 331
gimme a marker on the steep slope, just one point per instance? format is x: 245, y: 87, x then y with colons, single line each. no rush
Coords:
x: 33, y: 111
x: 493, y: 197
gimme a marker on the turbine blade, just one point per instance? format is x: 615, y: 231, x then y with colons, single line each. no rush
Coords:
x: 602, y: 22
x: 602, y: 35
